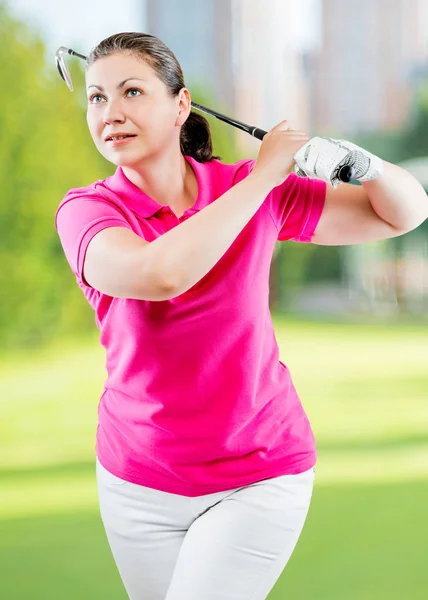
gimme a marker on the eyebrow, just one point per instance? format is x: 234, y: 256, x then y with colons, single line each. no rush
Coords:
x: 119, y: 85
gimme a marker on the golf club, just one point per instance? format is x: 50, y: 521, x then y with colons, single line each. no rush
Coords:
x: 345, y: 174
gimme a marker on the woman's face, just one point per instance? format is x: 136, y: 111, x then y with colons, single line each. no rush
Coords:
x: 141, y: 106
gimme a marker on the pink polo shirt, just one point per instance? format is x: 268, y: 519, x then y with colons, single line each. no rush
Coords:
x: 196, y: 400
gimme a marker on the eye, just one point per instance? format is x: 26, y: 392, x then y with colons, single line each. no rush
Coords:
x: 133, y: 90
x: 91, y: 98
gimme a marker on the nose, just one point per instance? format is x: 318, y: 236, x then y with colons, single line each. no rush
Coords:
x: 113, y: 113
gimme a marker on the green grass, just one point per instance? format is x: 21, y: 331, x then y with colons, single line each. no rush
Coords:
x: 365, y: 390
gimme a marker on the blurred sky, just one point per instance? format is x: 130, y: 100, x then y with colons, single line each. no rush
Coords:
x: 79, y: 24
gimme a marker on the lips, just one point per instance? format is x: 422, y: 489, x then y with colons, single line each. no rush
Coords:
x: 119, y: 136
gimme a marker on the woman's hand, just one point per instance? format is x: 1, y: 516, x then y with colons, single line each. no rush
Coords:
x: 275, y: 160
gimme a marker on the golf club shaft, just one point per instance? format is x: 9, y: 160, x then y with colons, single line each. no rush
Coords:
x: 254, y: 131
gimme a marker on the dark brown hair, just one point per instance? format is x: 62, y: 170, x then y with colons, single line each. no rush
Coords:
x: 195, y: 134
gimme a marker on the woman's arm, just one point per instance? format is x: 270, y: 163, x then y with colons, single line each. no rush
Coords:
x: 184, y: 254
x: 397, y: 198
x: 388, y: 206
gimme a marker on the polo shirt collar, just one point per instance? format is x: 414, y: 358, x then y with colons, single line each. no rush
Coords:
x: 146, y: 207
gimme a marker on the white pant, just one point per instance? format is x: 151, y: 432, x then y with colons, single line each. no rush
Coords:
x: 230, y: 545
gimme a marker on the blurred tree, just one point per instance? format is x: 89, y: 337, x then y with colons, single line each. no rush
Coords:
x: 410, y: 141
x: 414, y: 138
x: 324, y: 264
x: 46, y: 150
x: 288, y: 272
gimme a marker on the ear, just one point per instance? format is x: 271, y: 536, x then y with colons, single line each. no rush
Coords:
x: 184, y: 106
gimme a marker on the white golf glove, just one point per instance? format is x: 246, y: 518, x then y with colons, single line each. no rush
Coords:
x: 322, y: 158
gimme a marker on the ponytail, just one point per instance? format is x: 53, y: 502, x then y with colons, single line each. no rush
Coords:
x: 195, y: 138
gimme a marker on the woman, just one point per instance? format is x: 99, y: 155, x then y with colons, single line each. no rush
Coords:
x: 205, y: 456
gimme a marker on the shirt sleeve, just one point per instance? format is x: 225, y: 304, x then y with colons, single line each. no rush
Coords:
x: 296, y: 207
x: 77, y: 221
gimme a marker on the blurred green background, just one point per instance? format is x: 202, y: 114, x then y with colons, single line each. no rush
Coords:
x: 361, y: 370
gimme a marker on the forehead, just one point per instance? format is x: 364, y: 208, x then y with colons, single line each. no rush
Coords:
x: 109, y: 70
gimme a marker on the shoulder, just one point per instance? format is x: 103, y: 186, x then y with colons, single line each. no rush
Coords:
x: 232, y: 172
x: 86, y: 191
x: 84, y: 200
x: 97, y: 190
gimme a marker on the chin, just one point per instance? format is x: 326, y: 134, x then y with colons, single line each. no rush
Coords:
x: 127, y: 157
x: 127, y: 161
x: 123, y: 159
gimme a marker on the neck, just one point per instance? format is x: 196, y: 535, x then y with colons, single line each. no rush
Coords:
x: 168, y: 179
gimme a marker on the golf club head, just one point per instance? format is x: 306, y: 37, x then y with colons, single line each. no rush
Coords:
x: 62, y: 67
